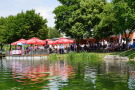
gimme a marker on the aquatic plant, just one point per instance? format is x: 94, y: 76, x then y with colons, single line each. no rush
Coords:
x: 52, y: 57
x: 83, y: 57
x: 71, y: 56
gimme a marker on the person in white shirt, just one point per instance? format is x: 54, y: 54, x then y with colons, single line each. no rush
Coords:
x: 61, y: 49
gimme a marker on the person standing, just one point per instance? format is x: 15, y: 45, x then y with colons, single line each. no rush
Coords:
x: 61, y: 49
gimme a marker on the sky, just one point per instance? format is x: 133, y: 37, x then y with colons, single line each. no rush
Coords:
x: 44, y: 7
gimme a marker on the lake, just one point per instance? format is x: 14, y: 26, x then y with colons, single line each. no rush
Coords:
x: 66, y: 75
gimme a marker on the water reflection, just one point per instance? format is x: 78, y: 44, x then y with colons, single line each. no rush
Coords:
x: 64, y: 75
x: 38, y: 71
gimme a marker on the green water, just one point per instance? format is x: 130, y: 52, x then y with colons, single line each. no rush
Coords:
x: 64, y: 75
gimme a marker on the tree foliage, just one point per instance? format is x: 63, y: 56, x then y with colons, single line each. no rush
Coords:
x: 63, y: 13
x: 23, y: 25
x: 53, y: 33
x: 104, y: 28
x: 124, y: 17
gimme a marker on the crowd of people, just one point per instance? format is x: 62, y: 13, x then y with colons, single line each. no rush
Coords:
x: 91, y: 47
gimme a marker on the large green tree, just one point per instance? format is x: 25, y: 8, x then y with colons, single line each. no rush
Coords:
x: 28, y: 24
x: 78, y: 19
x: 124, y: 17
x: 24, y: 25
x: 86, y: 18
x: 63, y: 14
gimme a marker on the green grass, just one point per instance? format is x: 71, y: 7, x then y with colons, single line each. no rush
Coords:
x: 52, y: 57
x: 130, y: 54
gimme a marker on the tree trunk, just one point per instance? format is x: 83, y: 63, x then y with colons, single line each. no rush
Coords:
x: 78, y: 48
x: 98, y: 47
x: 127, y: 38
x: 10, y: 47
x: 126, y: 43
x: 1, y: 46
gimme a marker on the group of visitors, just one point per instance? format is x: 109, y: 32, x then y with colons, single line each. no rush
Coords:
x: 58, y: 48
x: 66, y: 48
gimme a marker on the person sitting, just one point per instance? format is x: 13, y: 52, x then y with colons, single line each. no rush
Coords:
x: 47, y: 45
x: 133, y: 46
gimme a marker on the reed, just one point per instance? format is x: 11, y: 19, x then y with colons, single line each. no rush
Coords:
x: 74, y: 57
x: 71, y: 56
x: 84, y: 57
x: 52, y: 57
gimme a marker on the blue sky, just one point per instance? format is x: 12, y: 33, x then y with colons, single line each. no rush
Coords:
x: 44, y: 7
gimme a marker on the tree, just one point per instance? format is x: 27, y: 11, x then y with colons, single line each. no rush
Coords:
x: 24, y: 25
x: 53, y: 33
x: 104, y: 28
x: 88, y: 14
x: 43, y: 33
x: 63, y: 13
x: 82, y: 18
x: 2, y: 28
x: 29, y: 24
x: 124, y: 17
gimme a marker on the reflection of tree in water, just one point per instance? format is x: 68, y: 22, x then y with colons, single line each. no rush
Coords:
x: 131, y: 80
x: 77, y: 76
x: 94, y: 76
x: 84, y: 78
x: 122, y: 72
x: 7, y: 82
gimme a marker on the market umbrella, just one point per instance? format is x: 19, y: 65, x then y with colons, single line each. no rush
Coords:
x: 20, y: 42
x: 36, y: 41
x: 23, y: 41
x: 47, y: 40
x: 50, y: 42
x: 64, y: 40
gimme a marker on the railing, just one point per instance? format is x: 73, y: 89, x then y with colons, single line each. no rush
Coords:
x: 26, y: 52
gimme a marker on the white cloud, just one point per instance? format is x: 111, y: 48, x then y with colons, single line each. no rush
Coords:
x: 46, y: 13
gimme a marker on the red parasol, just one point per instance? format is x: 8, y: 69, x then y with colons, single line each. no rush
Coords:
x: 36, y: 41
x: 50, y: 42
x: 64, y: 40
x: 19, y: 41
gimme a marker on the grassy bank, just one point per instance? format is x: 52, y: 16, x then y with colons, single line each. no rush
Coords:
x: 83, y: 56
